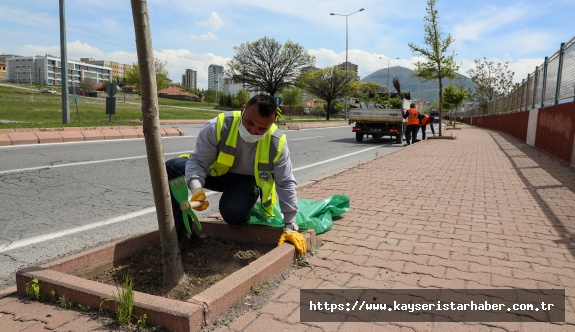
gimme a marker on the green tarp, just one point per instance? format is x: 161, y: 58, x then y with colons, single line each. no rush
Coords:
x: 311, y: 215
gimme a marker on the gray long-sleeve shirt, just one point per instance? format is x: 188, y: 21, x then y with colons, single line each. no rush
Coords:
x: 206, y: 153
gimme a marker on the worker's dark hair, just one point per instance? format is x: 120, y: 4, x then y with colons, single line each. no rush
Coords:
x: 266, y: 105
x: 412, y: 105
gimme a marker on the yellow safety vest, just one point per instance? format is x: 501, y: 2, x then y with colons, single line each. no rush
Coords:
x: 271, y: 144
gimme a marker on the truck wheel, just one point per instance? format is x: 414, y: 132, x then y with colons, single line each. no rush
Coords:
x: 359, y: 137
x: 398, y: 138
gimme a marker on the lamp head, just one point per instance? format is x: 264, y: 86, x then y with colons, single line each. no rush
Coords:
x: 361, y: 10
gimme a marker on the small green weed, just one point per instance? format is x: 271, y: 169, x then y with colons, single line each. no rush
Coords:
x: 125, y: 300
x: 142, y: 321
x: 33, y: 289
x: 84, y: 307
x: 65, y: 303
x: 260, y: 288
x: 301, y: 261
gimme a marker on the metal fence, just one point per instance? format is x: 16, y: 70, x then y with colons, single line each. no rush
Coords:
x: 551, y: 83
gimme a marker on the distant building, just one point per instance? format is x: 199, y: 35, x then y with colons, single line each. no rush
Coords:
x: 421, y: 105
x: 173, y: 92
x: 190, y: 79
x: 2, y: 71
x: 231, y: 87
x: 216, y: 78
x: 118, y: 70
x: 350, y: 66
x: 3, y: 57
x: 48, y: 70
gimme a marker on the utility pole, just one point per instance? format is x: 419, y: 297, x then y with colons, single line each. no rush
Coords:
x: 64, y: 64
x: 30, y: 82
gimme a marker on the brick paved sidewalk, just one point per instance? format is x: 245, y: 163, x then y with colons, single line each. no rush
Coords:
x: 481, y: 211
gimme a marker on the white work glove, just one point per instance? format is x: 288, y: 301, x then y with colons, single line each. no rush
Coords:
x: 291, y: 227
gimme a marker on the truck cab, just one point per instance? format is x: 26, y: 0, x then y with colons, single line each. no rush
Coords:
x: 435, y: 115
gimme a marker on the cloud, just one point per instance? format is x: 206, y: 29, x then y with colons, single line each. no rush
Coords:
x: 213, y: 23
x: 205, y: 37
x: 480, y: 25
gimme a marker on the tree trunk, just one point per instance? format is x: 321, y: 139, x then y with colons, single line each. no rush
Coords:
x: 440, y: 105
x: 172, y: 263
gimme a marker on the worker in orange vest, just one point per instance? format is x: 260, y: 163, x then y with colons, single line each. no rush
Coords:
x: 424, y: 121
x: 412, y: 126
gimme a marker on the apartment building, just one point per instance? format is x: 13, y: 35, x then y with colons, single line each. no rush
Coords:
x: 118, y: 69
x: 190, y: 79
x: 350, y: 66
x: 216, y: 78
x: 47, y: 69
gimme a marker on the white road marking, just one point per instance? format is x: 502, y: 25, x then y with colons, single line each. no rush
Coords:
x: 299, y: 139
x: 336, y: 158
x: 80, y: 163
x: 51, y: 236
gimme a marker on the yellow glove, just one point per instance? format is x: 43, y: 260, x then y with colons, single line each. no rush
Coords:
x: 296, y: 239
x: 198, y: 195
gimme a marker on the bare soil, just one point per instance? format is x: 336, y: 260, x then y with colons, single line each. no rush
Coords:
x: 208, y: 261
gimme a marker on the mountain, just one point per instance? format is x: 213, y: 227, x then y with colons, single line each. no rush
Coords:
x: 428, y: 91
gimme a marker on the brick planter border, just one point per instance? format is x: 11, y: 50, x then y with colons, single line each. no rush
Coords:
x: 191, y: 315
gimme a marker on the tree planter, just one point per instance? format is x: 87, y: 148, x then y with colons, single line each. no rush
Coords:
x: 61, y: 276
x: 441, y: 137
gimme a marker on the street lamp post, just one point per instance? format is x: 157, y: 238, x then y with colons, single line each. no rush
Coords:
x: 345, y: 98
x: 30, y: 82
x: 388, y: 77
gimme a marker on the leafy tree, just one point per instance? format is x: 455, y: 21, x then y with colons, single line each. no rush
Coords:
x: 242, y: 97
x: 438, y: 64
x: 328, y: 84
x: 132, y: 76
x: 454, y: 96
x: 267, y: 65
x: 292, y: 97
x: 88, y: 85
x: 367, y: 91
x: 210, y: 95
x: 493, y: 80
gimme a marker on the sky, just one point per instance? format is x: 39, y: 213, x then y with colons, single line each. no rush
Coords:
x: 190, y: 34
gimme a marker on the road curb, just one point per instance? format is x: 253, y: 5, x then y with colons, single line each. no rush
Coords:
x: 37, y: 136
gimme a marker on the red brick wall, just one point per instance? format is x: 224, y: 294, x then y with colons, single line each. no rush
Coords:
x: 556, y: 129
x: 514, y: 124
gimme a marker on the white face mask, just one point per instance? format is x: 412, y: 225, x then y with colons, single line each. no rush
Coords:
x: 247, y: 137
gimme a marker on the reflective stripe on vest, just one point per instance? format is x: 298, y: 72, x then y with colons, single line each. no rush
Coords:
x: 413, y: 116
x: 271, y: 145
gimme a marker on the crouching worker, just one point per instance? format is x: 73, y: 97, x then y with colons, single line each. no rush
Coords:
x: 245, y: 156
x: 425, y: 120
